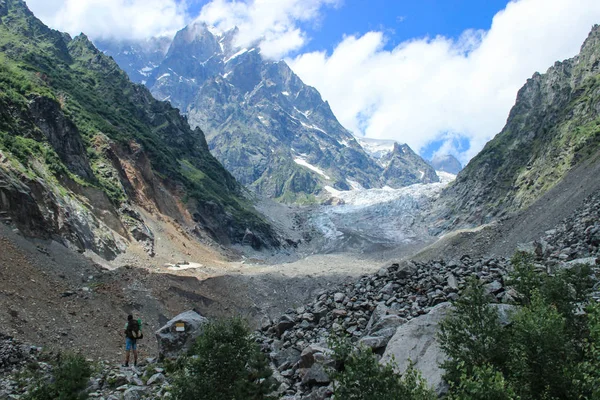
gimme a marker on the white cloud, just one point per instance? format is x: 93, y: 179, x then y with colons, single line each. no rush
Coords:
x: 273, y: 23
x: 438, y: 88
x: 131, y: 19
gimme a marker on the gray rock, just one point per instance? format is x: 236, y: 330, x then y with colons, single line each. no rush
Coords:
x: 156, y: 378
x: 591, y: 261
x: 385, y: 323
x: 452, y: 283
x: 134, y: 393
x: 374, y: 342
x: 313, y: 352
x: 380, y: 311
x: 289, y: 355
x: 416, y: 341
x: 338, y: 297
x: 316, y: 375
x: 172, y: 343
x: 285, y: 322
x: 493, y: 287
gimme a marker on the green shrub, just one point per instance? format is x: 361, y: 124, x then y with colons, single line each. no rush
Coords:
x: 472, y: 335
x: 70, y: 375
x: 548, y: 350
x: 225, y: 363
x: 482, y: 383
x: 587, y: 375
x: 361, y: 377
x: 542, y: 351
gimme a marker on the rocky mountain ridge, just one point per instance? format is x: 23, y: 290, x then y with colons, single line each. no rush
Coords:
x: 271, y: 131
x: 83, y: 151
x: 553, y: 127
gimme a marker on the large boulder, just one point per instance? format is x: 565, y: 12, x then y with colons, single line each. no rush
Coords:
x: 416, y: 340
x: 171, y: 342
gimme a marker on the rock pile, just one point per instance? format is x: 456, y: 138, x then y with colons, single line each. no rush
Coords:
x: 375, y: 311
x: 370, y: 311
x: 146, y: 381
x: 14, y: 355
x: 575, y: 239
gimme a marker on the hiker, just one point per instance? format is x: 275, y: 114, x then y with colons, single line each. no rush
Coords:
x: 133, y: 332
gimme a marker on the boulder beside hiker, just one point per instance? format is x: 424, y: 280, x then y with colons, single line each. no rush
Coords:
x: 133, y: 332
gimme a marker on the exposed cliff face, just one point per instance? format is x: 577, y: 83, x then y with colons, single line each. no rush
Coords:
x: 81, y: 147
x: 275, y: 134
x: 553, y: 126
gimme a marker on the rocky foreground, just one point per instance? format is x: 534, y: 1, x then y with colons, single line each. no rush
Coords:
x: 394, y: 312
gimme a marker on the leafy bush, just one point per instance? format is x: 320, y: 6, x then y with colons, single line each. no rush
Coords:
x: 542, y: 352
x: 225, y: 363
x: 361, y: 377
x: 472, y: 335
x: 482, y: 383
x: 70, y: 375
x: 549, y: 349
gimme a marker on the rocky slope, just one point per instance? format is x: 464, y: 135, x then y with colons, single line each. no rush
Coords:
x: 553, y: 127
x: 82, y: 149
x: 271, y: 131
x: 395, y: 312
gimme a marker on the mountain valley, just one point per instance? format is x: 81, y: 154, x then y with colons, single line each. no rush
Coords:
x: 162, y: 176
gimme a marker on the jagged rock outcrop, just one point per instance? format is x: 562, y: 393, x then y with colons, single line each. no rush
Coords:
x: 271, y: 131
x: 81, y: 147
x: 553, y: 126
x: 403, y: 167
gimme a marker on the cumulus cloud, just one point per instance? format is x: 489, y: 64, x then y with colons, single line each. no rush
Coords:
x: 445, y: 90
x: 273, y: 23
x: 127, y: 19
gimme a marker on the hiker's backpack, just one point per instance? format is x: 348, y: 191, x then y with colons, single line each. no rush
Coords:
x: 134, y: 330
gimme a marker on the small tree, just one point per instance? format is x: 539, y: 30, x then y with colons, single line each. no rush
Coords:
x: 70, y: 375
x: 471, y: 335
x: 524, y: 278
x: 482, y: 383
x: 542, y: 351
x: 362, y: 377
x: 547, y: 351
x: 586, y: 382
x: 225, y: 363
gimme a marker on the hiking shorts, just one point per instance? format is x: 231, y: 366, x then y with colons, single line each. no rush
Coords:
x: 130, y: 344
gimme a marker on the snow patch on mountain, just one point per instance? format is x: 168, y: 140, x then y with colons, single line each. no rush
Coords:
x: 239, y: 53
x: 376, y: 148
x: 318, y: 170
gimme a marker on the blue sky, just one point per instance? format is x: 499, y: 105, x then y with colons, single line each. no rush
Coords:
x: 400, y: 20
